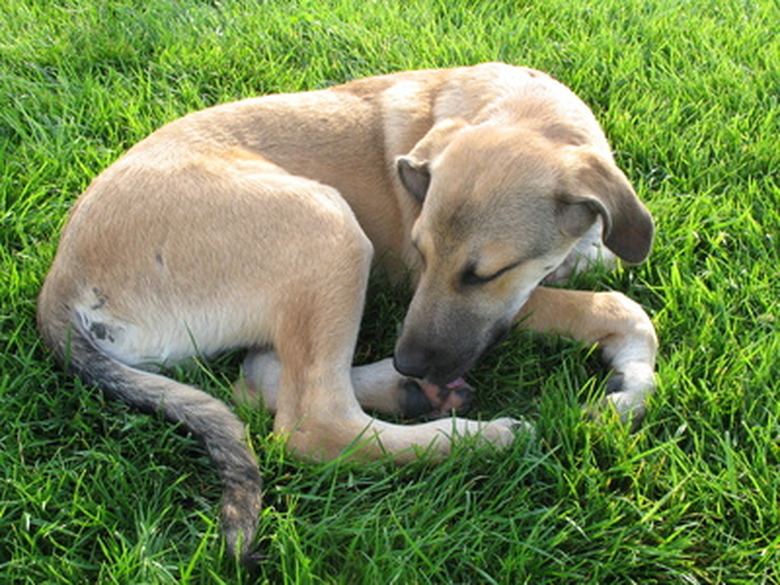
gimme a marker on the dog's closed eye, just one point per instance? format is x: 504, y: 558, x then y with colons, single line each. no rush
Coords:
x: 470, y: 277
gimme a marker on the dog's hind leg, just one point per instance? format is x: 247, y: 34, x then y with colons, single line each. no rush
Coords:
x: 378, y: 387
x: 617, y: 324
x: 317, y: 315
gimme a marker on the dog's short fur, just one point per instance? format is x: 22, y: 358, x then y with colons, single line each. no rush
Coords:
x: 253, y: 224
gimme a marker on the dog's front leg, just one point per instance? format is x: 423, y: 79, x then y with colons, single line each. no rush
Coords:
x: 617, y: 324
x: 378, y: 388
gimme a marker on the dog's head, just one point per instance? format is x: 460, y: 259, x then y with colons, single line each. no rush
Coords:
x: 500, y: 209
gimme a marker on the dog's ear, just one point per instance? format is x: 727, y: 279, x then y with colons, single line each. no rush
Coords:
x: 414, y: 168
x: 576, y: 214
x: 602, y: 188
x: 415, y: 176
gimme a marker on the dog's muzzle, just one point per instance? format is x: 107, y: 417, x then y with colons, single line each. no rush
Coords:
x: 442, y: 363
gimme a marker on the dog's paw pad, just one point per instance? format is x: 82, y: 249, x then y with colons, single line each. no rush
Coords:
x: 523, y: 428
x: 614, y: 383
x: 415, y: 402
x: 423, y: 399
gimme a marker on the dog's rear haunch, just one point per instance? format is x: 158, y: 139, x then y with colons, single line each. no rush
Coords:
x: 254, y: 224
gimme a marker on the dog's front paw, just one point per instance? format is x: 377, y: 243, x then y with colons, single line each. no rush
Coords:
x: 627, y: 394
x: 422, y: 399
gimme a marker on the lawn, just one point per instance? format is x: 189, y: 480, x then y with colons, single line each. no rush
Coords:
x: 689, y: 95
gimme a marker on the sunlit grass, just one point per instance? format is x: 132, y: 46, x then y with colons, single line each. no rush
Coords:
x: 688, y: 92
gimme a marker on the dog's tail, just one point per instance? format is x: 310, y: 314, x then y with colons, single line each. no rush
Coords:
x: 205, y: 416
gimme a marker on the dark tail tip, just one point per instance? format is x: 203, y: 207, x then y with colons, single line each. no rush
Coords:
x: 241, y: 504
x: 205, y: 416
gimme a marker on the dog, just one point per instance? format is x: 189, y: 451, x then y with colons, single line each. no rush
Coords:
x: 255, y: 224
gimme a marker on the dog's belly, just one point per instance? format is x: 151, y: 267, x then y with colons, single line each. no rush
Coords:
x: 171, y: 332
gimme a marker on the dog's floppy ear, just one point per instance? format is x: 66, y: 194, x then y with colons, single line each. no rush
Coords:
x: 414, y: 169
x: 602, y: 188
x: 415, y: 176
x: 576, y: 214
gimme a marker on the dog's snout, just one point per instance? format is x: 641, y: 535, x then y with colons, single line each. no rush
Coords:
x: 436, y: 364
x: 413, y: 361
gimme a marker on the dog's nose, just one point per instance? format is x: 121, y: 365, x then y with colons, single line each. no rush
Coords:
x: 412, y: 362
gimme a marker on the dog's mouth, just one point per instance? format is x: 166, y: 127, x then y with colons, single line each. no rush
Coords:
x: 444, y: 365
x: 448, y: 371
x: 444, y: 389
x: 447, y: 378
x: 455, y: 384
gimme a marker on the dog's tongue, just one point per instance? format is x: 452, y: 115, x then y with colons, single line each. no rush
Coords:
x: 455, y: 384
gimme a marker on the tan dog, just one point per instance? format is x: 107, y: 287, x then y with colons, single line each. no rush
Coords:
x: 253, y: 224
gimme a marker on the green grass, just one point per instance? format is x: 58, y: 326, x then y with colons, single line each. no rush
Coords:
x: 689, y: 94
